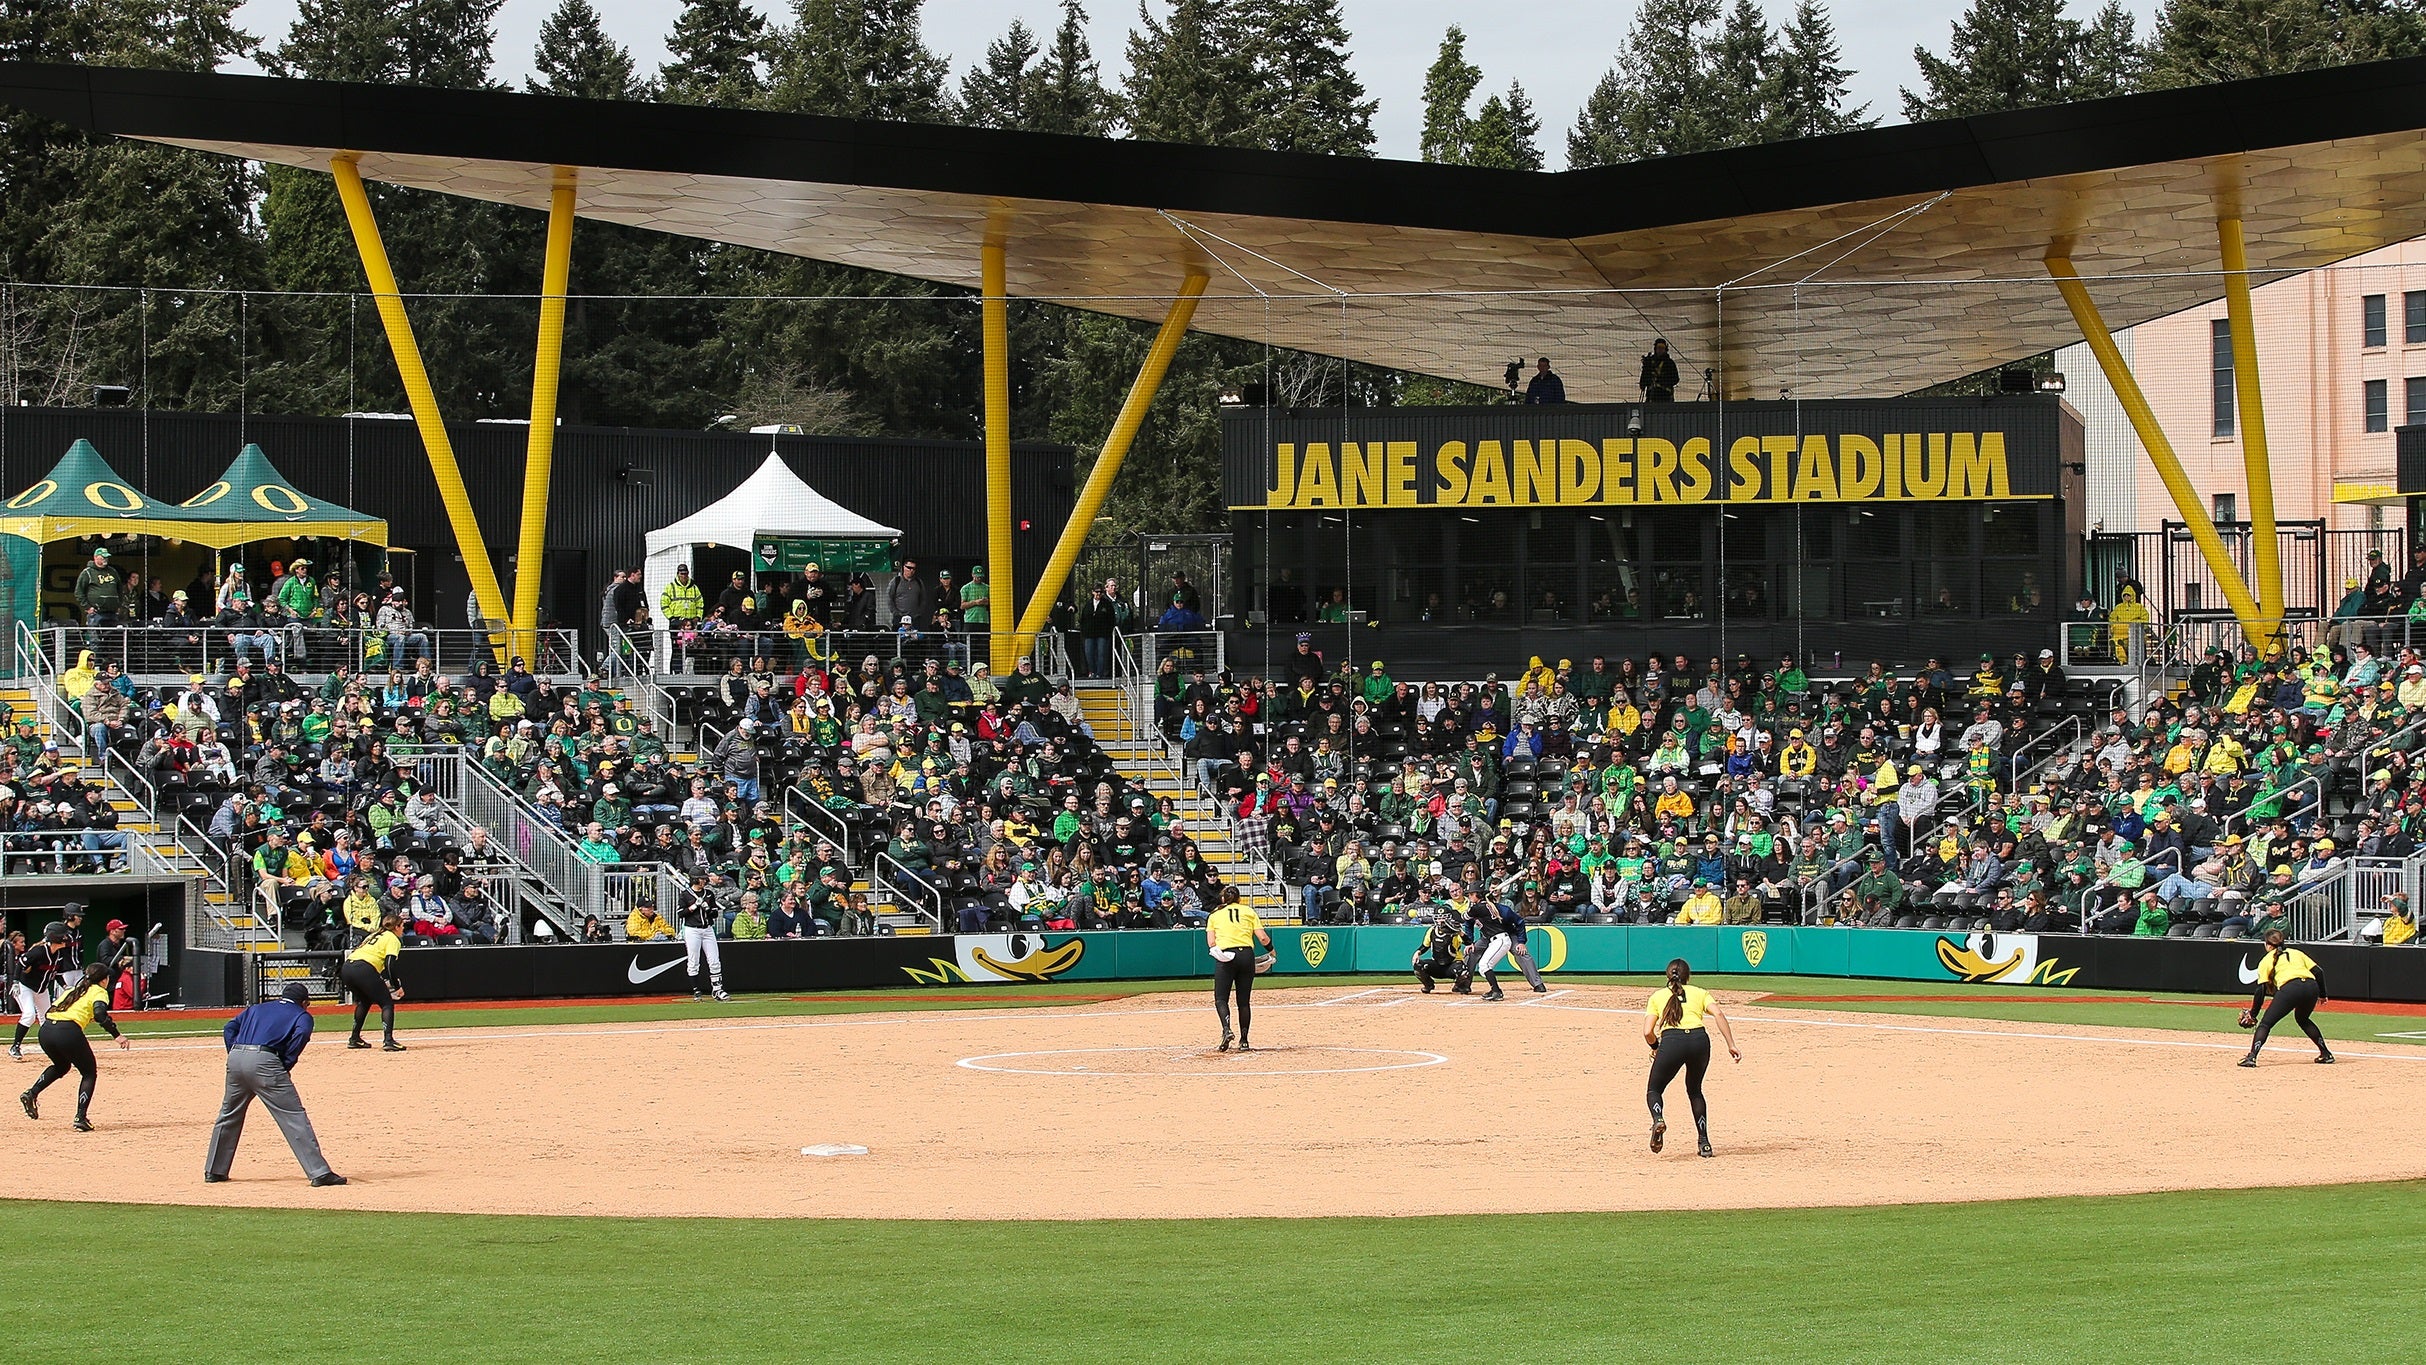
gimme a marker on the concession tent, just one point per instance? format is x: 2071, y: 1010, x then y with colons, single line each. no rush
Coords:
x: 768, y: 516
x: 253, y: 501
x: 81, y: 497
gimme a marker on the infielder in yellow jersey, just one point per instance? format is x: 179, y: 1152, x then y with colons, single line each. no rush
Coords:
x: 1673, y: 1026
x: 1232, y: 932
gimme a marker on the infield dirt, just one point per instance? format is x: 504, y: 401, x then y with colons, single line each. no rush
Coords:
x: 1121, y: 1110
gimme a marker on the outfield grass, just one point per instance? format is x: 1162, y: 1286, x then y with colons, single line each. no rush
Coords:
x: 2301, y: 1275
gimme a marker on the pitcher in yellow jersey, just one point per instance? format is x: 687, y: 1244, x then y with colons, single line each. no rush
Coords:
x: 1232, y: 932
x: 63, y: 1041
x: 2298, y: 987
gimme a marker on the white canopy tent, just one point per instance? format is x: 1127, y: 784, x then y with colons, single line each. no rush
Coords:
x: 771, y: 503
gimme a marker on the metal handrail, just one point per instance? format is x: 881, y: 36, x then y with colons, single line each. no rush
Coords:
x: 2022, y: 777
x: 815, y: 818
x: 154, y: 652
x: 42, y: 684
x: 898, y: 881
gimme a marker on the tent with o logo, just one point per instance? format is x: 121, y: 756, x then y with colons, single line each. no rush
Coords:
x: 253, y: 501
x: 80, y: 497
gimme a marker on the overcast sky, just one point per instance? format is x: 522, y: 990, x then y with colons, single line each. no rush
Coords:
x: 1558, y: 48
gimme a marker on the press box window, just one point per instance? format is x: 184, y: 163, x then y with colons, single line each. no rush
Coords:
x: 2378, y: 401
x: 2371, y: 309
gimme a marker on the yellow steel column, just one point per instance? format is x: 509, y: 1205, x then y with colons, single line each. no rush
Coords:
x: 2266, y: 557
x: 540, y: 455
x: 417, y: 389
x: 2160, y: 451
x: 1002, y: 603
x: 1107, y: 465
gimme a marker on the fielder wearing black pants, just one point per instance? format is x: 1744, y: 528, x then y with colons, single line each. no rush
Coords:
x: 65, y: 1044
x: 1237, y: 974
x: 2298, y: 999
x: 369, y: 988
x: 1688, y: 1050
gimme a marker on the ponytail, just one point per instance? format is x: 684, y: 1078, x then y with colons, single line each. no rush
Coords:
x: 1679, y: 972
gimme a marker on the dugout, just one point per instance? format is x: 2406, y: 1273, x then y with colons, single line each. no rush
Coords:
x: 1898, y: 528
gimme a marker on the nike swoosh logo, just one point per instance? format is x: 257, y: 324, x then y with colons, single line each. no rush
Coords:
x: 639, y: 976
x: 2249, y: 972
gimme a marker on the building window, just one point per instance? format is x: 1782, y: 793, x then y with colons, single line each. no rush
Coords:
x: 2227, y: 507
x: 2378, y: 398
x: 2220, y: 350
x: 2372, y: 311
x: 2413, y: 317
x: 2413, y: 411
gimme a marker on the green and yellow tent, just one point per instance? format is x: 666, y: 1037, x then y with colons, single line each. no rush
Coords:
x: 82, y: 496
x: 253, y: 501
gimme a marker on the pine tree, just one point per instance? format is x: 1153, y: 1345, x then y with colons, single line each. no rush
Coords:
x: 1741, y: 67
x: 1448, y: 86
x: 1187, y: 81
x: 1071, y: 97
x: 1003, y: 91
x: 2015, y: 54
x: 1654, y: 101
x: 576, y: 57
x: 858, y: 59
x: 1507, y: 133
x: 2199, y: 42
x: 1808, y: 99
x: 1305, y: 97
x: 713, y: 55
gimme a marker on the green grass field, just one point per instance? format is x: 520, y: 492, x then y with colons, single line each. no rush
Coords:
x: 2272, y: 1274
x: 2309, y: 1273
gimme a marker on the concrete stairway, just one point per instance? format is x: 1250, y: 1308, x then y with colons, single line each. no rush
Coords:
x: 1142, y: 756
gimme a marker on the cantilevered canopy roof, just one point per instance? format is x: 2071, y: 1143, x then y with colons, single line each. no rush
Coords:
x: 1868, y: 263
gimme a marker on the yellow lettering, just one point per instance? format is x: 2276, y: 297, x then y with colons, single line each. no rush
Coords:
x: 1284, y: 476
x: 1779, y: 449
x: 1693, y: 466
x: 1317, y: 482
x: 1925, y: 465
x: 106, y: 494
x: 1617, y: 469
x: 1815, y: 473
x: 33, y: 495
x: 1659, y: 469
x: 1578, y: 473
x: 1360, y: 476
x: 1892, y: 456
x: 1536, y: 477
x: 1490, y: 475
x: 1975, y: 466
x: 1860, y: 467
x: 1402, y: 473
x: 282, y: 500
x: 208, y: 495
x: 1449, y: 466
x: 1743, y: 467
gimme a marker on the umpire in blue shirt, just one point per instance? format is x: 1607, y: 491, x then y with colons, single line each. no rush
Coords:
x: 263, y: 1044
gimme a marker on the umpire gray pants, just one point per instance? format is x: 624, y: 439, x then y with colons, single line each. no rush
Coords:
x: 256, y: 1073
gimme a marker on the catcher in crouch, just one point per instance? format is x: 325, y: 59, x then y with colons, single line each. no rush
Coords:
x: 1443, y: 953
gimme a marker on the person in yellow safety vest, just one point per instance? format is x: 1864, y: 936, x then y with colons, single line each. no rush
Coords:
x: 681, y: 605
x: 2129, y: 614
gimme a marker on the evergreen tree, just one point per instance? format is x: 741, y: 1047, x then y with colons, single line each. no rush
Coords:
x: 1187, y: 80
x: 1654, y: 101
x: 576, y: 57
x: 858, y: 59
x: 1507, y: 133
x: 1071, y: 97
x: 1448, y: 86
x: 2014, y: 54
x: 1808, y: 94
x: 1003, y: 91
x: 2199, y: 42
x: 713, y: 55
x: 1304, y: 98
x: 1742, y: 67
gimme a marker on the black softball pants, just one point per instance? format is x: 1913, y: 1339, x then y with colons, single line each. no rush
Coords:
x: 1236, y: 975
x: 369, y: 988
x: 65, y: 1044
x: 1680, y: 1049
x: 2299, y: 1000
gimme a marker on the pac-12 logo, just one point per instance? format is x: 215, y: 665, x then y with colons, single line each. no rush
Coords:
x: 1756, y: 946
x: 1317, y: 946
